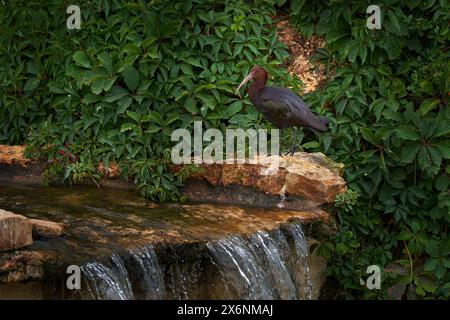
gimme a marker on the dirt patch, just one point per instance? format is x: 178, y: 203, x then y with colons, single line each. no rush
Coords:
x: 301, y: 49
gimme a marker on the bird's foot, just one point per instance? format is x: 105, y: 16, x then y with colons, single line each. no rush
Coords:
x: 289, y: 153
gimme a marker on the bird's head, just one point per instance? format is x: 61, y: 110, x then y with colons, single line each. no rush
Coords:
x: 256, y: 73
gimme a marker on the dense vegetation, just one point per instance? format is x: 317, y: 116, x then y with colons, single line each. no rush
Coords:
x: 136, y: 70
x: 392, y: 130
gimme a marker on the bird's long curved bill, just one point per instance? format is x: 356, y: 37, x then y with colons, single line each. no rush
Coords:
x: 246, y: 79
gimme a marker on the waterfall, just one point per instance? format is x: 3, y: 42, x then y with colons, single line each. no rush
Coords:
x: 264, y: 265
x: 110, y: 282
x: 241, y: 268
x: 274, y: 266
x: 300, y: 264
x: 149, y: 274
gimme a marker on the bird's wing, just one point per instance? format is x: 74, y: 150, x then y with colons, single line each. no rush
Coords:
x: 296, y: 112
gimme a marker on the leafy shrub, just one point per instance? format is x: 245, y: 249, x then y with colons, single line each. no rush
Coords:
x: 115, y: 90
x: 136, y: 70
x: 390, y: 96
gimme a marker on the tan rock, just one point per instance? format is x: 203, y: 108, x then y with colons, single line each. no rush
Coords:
x: 13, y: 155
x: 22, y: 265
x: 111, y: 171
x: 47, y: 229
x: 311, y: 176
x: 15, y: 231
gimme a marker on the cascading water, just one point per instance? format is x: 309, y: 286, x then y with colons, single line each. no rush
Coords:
x: 265, y: 265
x: 300, y: 263
x: 108, y: 282
x: 129, y: 248
x: 240, y: 268
x: 148, y: 275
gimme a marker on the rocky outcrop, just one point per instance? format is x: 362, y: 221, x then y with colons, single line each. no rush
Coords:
x: 307, y: 179
x: 22, y: 265
x: 310, y: 178
x: 15, y: 231
x: 110, y: 171
x: 300, y: 186
x: 47, y: 229
x: 13, y: 155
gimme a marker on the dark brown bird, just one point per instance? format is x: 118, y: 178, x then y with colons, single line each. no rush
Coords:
x: 281, y: 106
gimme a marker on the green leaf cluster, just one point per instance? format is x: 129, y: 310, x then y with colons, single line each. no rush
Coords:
x: 136, y: 70
x: 390, y: 97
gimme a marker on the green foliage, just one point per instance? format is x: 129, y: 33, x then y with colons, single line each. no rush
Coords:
x: 346, y: 200
x: 115, y: 90
x: 390, y: 98
x: 136, y: 70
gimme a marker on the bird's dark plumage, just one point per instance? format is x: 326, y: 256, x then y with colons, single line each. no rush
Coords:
x: 285, y: 109
x: 281, y: 106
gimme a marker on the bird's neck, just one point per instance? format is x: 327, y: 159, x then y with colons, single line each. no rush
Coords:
x: 256, y: 86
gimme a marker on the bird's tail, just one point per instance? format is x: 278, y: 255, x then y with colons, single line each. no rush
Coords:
x: 319, y: 123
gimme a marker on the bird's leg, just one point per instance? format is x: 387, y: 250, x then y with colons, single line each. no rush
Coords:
x: 293, y: 141
x: 282, y: 144
x: 291, y: 150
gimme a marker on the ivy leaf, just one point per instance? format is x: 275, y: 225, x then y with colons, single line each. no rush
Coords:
x: 126, y: 127
x: 409, y: 153
x: 81, y: 59
x: 153, y: 129
x: 442, y: 182
x: 194, y: 61
x: 90, y: 98
x: 444, y: 148
x: 208, y: 101
x: 97, y: 86
x: 190, y: 105
x: 102, y: 84
x: 131, y: 77
x: 407, y: 133
x: 432, y: 248
x: 123, y: 104
x: 431, y: 264
x: 428, y: 105
x: 368, y: 135
x: 394, y: 24
x: 134, y: 115
x: 116, y: 93
x: 31, y: 84
x: 106, y: 61
x: 233, y: 108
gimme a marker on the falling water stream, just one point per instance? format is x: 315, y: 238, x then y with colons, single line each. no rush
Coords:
x: 128, y: 248
x: 262, y: 266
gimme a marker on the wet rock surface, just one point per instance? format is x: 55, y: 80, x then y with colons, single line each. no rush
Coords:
x: 107, y: 223
x: 243, y: 235
x: 23, y: 265
x: 311, y: 178
x: 15, y: 231
x: 46, y: 229
x: 306, y: 179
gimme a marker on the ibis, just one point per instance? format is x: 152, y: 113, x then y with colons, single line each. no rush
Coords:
x: 280, y: 106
